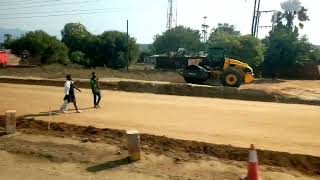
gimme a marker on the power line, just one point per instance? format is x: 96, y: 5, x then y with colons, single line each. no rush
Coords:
x: 48, y: 12
x: 55, y: 15
x: 26, y: 2
x: 46, y: 5
x: 16, y: 1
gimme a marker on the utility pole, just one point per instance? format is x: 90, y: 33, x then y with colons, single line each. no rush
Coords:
x: 274, y: 19
x: 256, y: 30
x: 257, y: 19
x: 128, y: 49
x: 253, y: 17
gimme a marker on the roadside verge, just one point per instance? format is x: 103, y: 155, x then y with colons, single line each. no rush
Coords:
x: 180, y: 89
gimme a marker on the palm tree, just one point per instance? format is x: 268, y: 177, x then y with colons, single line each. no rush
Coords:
x: 293, y: 9
x: 291, y: 5
x: 7, y: 37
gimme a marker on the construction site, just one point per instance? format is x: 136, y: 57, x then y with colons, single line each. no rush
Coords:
x: 180, y: 115
x: 186, y: 131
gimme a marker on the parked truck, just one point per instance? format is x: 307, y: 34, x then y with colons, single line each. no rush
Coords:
x: 4, y: 57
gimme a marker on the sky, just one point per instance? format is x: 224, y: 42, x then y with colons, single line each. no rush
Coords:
x: 146, y: 17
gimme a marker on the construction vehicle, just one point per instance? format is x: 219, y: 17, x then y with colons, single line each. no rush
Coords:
x: 24, y: 60
x: 218, y: 70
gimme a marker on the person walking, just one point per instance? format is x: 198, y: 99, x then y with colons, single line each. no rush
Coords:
x: 94, y: 83
x: 69, y: 87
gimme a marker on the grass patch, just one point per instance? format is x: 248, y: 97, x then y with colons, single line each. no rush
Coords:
x: 55, y: 71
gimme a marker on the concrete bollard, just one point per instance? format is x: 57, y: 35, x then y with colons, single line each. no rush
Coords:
x: 134, y: 149
x: 10, y: 123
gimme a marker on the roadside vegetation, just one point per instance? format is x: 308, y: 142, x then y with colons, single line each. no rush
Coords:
x: 54, y: 71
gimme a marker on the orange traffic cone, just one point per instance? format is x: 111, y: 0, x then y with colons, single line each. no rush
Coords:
x: 253, y: 167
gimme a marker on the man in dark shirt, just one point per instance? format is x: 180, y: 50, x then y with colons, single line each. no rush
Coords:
x: 94, y: 83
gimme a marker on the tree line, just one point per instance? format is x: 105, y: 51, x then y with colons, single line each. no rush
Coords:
x: 283, y: 48
x: 78, y: 45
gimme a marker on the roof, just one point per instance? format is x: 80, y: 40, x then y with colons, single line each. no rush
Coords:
x: 188, y: 56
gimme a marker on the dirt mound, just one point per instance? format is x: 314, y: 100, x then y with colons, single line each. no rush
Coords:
x: 179, y: 149
x: 13, y: 59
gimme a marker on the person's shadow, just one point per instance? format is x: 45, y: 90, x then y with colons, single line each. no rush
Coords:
x: 2, y: 133
x: 2, y: 126
x: 109, y: 165
x: 54, y: 113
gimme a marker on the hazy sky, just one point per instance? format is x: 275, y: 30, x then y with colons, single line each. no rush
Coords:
x: 146, y: 17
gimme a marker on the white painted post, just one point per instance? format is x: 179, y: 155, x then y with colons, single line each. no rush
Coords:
x: 50, y: 117
x: 134, y: 149
x: 10, y: 122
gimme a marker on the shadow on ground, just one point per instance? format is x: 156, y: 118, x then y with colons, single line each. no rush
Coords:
x: 53, y: 113
x: 269, y: 81
x: 109, y: 165
x: 2, y: 133
x: 2, y: 124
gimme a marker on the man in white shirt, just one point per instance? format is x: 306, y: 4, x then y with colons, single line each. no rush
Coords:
x: 69, y: 87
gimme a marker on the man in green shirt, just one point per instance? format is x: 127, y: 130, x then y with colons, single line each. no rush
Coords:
x: 94, y: 83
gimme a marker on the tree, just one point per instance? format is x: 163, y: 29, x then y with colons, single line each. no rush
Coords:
x: 7, y: 40
x: 244, y: 48
x: 178, y: 37
x: 225, y: 28
x: 284, y: 47
x: 78, y: 57
x: 315, y: 54
x: 43, y: 48
x: 292, y: 9
x: 113, y: 49
x: 251, y: 51
x: 108, y: 49
x: 7, y: 37
x: 75, y: 36
x: 281, y: 51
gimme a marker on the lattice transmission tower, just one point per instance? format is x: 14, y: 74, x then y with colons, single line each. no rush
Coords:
x: 172, y: 14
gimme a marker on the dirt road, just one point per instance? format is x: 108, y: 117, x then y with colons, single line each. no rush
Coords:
x: 280, y: 127
x: 304, y: 89
x: 54, y: 158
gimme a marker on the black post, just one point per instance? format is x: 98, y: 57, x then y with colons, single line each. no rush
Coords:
x: 257, y: 24
x: 254, y: 18
x: 128, y: 55
x: 256, y: 29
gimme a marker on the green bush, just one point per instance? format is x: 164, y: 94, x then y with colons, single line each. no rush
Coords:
x: 77, y: 57
x: 179, y: 37
x: 108, y: 49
